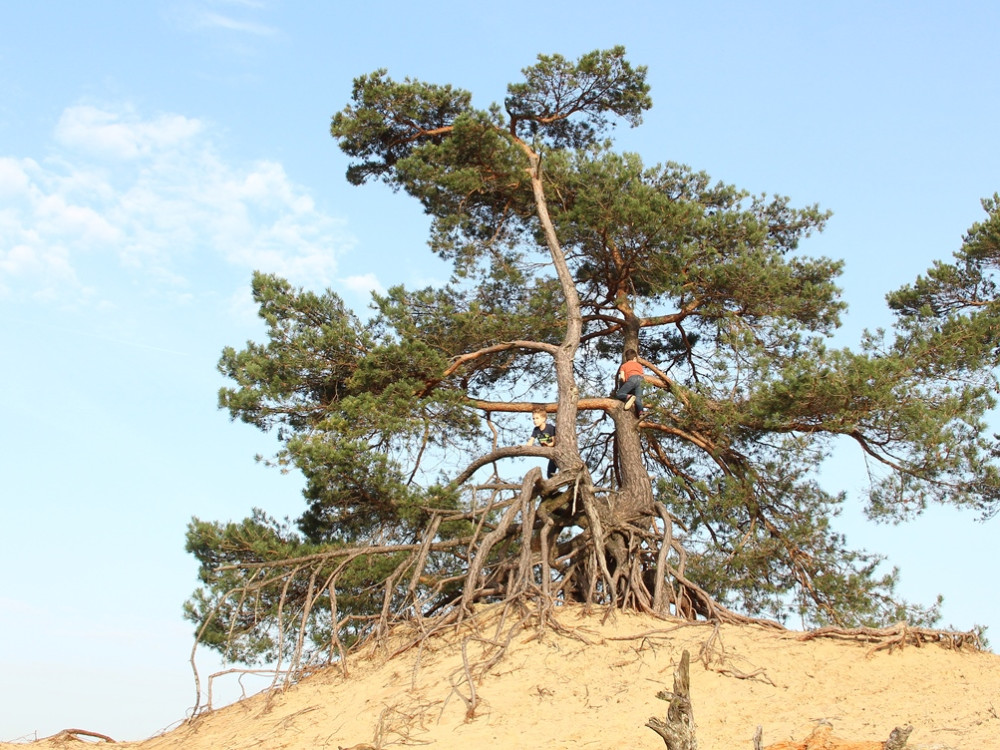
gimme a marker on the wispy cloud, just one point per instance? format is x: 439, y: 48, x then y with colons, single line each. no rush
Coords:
x: 154, y: 197
x: 238, y: 16
x: 217, y: 20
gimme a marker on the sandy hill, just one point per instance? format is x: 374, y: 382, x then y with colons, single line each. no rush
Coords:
x: 594, y: 685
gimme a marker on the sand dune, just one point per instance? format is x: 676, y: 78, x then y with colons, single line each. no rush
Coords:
x: 594, y: 685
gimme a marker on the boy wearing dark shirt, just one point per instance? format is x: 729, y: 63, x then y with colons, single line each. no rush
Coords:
x: 545, y: 434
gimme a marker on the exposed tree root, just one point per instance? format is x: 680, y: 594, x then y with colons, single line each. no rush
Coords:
x: 899, y: 636
x: 531, y: 549
x: 75, y: 734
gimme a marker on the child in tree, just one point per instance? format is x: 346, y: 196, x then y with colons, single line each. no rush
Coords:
x: 630, y: 379
x: 545, y: 434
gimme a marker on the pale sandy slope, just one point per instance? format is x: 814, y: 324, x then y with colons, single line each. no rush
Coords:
x: 596, y: 688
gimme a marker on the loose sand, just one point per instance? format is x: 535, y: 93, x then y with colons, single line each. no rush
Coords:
x: 595, y: 684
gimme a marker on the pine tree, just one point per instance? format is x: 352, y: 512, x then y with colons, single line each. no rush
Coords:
x: 409, y: 426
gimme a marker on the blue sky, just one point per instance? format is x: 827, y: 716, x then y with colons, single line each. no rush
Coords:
x: 153, y: 154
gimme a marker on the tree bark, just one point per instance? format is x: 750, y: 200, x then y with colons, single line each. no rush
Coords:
x: 898, y: 737
x: 635, y: 490
x: 678, y: 730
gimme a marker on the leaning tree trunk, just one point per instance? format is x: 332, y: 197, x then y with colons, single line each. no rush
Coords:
x: 567, y: 450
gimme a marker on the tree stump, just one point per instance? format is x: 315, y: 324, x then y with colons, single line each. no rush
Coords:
x: 678, y: 730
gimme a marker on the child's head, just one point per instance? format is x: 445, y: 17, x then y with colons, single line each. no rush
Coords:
x: 539, y: 417
x: 631, y: 354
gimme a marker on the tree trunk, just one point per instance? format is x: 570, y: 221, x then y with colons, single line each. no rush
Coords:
x: 606, y: 516
x: 635, y: 490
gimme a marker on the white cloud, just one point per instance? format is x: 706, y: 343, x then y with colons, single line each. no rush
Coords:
x: 362, y: 284
x: 13, y: 178
x: 122, y: 135
x: 80, y: 222
x: 25, y: 259
x: 152, y: 197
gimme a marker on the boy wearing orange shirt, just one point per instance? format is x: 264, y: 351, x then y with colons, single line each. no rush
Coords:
x: 631, y: 377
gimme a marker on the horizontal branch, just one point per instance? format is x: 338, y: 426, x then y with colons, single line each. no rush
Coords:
x: 504, y: 346
x: 599, y: 403
x: 384, y: 549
